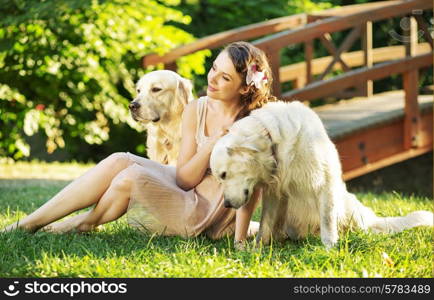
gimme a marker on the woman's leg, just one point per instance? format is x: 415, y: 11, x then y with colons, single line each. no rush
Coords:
x: 82, y: 192
x: 112, y: 205
x: 65, y: 225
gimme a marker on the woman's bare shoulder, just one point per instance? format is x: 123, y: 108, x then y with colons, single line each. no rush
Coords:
x: 190, y: 109
x: 189, y: 115
x: 192, y: 105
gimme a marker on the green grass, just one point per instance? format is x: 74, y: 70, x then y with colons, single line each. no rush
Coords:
x: 120, y: 251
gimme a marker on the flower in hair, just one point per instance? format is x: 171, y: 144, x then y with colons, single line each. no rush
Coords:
x: 259, y: 79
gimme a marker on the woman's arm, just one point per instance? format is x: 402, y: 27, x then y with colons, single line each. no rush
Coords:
x: 244, y: 215
x: 192, y: 164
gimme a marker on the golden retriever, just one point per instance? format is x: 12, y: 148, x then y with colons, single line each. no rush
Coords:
x: 161, y: 98
x: 284, y: 148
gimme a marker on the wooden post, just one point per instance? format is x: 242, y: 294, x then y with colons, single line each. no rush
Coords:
x: 308, y: 56
x: 412, y: 114
x: 425, y: 30
x: 299, y: 82
x: 411, y: 86
x: 367, y: 88
x: 274, y: 59
x: 171, y: 66
x: 344, y: 47
x: 326, y: 40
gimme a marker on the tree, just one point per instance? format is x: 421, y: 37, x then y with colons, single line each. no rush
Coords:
x: 68, y: 67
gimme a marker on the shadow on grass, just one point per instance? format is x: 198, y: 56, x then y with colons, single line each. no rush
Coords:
x: 411, y: 177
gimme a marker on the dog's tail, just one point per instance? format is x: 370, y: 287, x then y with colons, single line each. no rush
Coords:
x: 365, y: 218
x: 397, y: 224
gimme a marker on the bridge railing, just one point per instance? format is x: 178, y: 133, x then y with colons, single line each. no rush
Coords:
x: 359, y: 21
x: 217, y: 40
x: 304, y: 28
x: 374, y: 63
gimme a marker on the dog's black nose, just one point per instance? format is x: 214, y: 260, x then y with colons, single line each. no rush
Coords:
x: 227, y: 204
x: 134, y: 106
x: 156, y: 119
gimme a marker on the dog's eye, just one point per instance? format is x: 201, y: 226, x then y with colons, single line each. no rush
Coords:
x: 138, y: 91
x: 155, y: 90
x: 223, y: 175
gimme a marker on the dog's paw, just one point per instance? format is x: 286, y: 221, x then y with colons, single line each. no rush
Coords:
x: 241, y: 245
x: 329, y: 244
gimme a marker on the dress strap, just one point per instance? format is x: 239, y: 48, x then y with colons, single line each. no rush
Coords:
x: 201, y: 115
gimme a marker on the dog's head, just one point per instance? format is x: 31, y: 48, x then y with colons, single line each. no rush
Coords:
x: 240, y: 160
x: 161, y: 96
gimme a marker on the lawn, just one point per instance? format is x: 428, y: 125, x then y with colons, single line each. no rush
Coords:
x: 117, y: 250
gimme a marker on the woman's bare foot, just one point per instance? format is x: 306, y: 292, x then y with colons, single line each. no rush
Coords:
x: 12, y: 227
x: 72, y: 224
x: 68, y: 225
x: 18, y: 226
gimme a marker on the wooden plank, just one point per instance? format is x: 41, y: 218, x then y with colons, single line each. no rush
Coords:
x: 326, y: 40
x: 425, y: 29
x: 393, y: 159
x: 274, y: 59
x: 347, y: 9
x: 172, y: 66
x: 380, y: 147
x: 339, y: 23
x: 377, y: 138
x: 412, y: 115
x: 367, y: 88
x: 349, y: 116
x: 410, y: 36
x: 308, y: 56
x: 411, y: 88
x: 352, y: 59
x: 367, y: 147
x: 426, y: 129
x: 326, y: 87
x: 345, y: 46
x: 217, y: 40
x: 299, y: 82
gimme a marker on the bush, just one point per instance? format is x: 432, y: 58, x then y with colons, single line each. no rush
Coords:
x: 67, y: 68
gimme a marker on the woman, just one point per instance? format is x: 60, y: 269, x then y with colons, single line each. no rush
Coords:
x: 185, y: 200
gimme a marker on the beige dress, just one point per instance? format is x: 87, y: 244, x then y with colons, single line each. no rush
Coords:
x: 158, y: 205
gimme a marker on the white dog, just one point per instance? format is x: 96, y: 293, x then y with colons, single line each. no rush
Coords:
x: 162, y: 96
x: 284, y: 147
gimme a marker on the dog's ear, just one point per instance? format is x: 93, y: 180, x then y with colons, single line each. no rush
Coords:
x: 230, y: 151
x: 272, y: 126
x: 184, y: 91
x: 250, y: 148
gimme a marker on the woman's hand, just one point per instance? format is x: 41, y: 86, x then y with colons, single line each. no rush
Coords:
x: 192, y: 162
x: 213, y: 139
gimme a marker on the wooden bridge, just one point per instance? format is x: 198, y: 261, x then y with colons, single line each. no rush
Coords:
x: 371, y: 131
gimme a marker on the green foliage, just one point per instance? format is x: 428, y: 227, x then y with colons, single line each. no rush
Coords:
x: 68, y: 67
x: 212, y: 16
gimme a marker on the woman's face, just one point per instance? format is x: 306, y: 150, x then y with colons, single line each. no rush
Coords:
x: 224, y: 82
